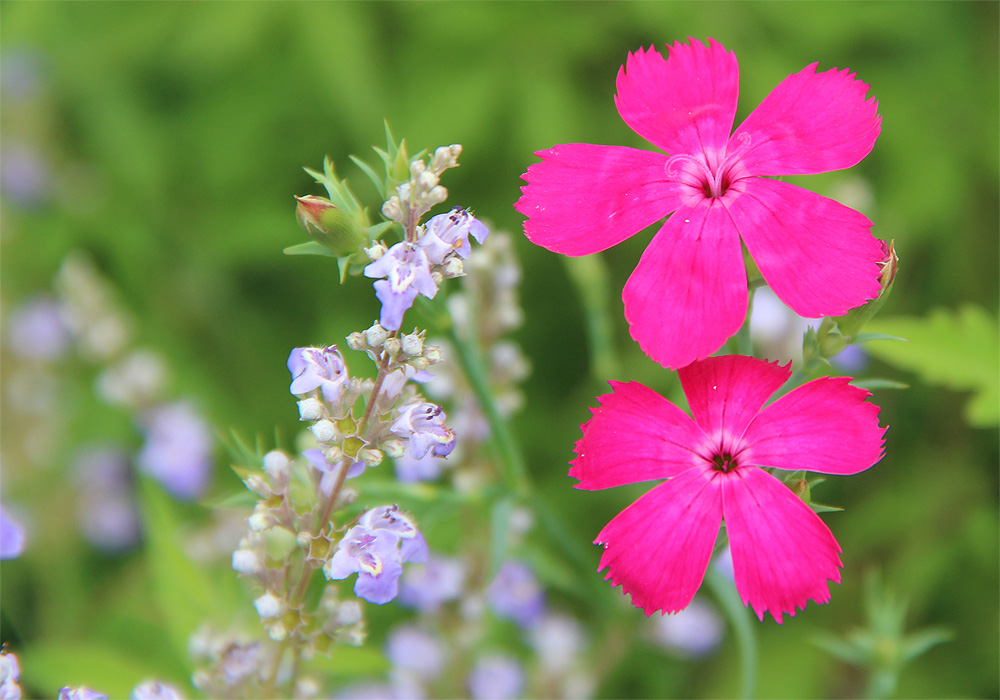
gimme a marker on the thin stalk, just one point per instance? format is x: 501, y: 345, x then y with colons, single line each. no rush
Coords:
x: 739, y: 620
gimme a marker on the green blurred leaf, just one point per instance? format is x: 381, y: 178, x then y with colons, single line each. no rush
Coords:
x: 879, y: 384
x: 959, y: 350
x: 310, y: 248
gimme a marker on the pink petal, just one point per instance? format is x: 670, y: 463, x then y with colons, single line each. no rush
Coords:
x: 817, y: 255
x: 688, y: 293
x: 726, y: 393
x: 582, y: 198
x: 810, y: 123
x: 783, y: 554
x: 635, y: 435
x: 658, y: 548
x: 685, y: 103
x: 823, y: 426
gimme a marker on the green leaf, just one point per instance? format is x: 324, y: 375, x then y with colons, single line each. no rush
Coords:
x: 183, y: 592
x: 959, y: 350
x: 919, y: 642
x: 879, y: 384
x: 310, y: 248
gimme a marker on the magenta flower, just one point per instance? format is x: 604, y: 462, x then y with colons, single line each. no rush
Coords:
x: 688, y: 293
x: 659, y: 547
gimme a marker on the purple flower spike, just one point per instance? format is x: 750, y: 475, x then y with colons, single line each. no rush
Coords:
x: 318, y: 367
x: 516, y: 595
x: 423, y: 425
x: 408, y: 273
x: 11, y: 536
x: 178, y: 449
x: 449, y: 233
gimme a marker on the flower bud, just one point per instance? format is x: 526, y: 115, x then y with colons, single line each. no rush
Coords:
x: 437, y: 195
x: 412, y: 344
x: 324, y: 431
x: 356, y: 341
x: 370, y: 456
x: 303, y: 539
x: 889, y: 264
x: 446, y: 157
x: 255, y: 483
x: 392, y: 209
x: 394, y: 448
x: 277, y: 632
x: 453, y: 267
x: 310, y: 409
x: 348, y: 613
x: 330, y: 226
x: 417, y: 168
x: 419, y: 363
x: 432, y: 353
x: 333, y: 454
x: 246, y: 562
x: 268, y: 606
x: 376, y: 335
x: 259, y: 522
x: 392, y: 346
x: 275, y: 463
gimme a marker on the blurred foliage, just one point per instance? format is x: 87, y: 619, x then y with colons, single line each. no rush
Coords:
x: 171, y: 139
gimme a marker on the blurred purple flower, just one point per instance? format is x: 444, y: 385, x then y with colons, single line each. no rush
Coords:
x: 410, y: 470
x: 37, y: 329
x: 407, y: 272
x: 329, y: 471
x: 693, y: 632
x: 155, y: 690
x: 416, y: 650
x: 516, y: 595
x: 10, y: 672
x: 24, y: 176
x: 318, y: 367
x: 81, y: 693
x: 496, y: 677
x: 106, y: 509
x: 178, y: 448
x: 11, y: 536
x: 425, y: 587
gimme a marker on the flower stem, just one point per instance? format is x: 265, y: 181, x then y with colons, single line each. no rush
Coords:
x: 746, y: 638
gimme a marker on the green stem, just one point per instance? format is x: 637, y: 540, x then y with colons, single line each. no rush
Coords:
x: 746, y: 638
x: 589, y: 275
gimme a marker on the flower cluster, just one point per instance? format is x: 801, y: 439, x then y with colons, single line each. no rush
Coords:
x: 690, y: 292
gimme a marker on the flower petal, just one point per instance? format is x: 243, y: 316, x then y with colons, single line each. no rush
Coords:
x: 634, y: 435
x: 582, y: 198
x: 726, y: 393
x: 818, y: 256
x: 685, y: 103
x: 810, y: 123
x: 823, y: 426
x: 659, y: 547
x: 783, y: 554
x: 688, y: 293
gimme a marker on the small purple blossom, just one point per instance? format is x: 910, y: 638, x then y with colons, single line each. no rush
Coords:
x: 81, y: 693
x: 423, y: 425
x: 11, y: 536
x: 329, y: 471
x: 411, y: 470
x: 106, y: 509
x: 10, y: 672
x: 374, y: 556
x: 413, y: 546
x: 37, y: 330
x: 407, y: 272
x: 425, y: 587
x: 416, y: 650
x: 516, y: 595
x: 155, y: 690
x: 693, y: 632
x: 322, y: 368
x: 496, y: 677
x: 24, y: 175
x: 448, y: 233
x: 178, y: 448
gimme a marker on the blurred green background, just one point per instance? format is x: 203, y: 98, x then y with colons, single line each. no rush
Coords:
x: 170, y: 139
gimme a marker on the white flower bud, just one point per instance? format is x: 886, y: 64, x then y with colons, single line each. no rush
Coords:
x: 412, y: 344
x: 432, y: 353
x: 258, y: 522
x: 437, y: 195
x: 307, y: 688
x: 437, y: 277
x: 427, y: 180
x: 276, y: 463
x: 333, y: 454
x: 370, y: 456
x: 417, y: 168
x: 446, y: 157
x: 376, y: 251
x: 348, y: 613
x: 324, y: 430
x: 376, y: 335
x: 256, y: 483
x: 246, y: 562
x: 303, y: 539
x: 310, y: 409
x: 419, y: 363
x: 356, y: 341
x: 392, y: 210
x: 277, y: 632
x: 394, y: 448
x: 392, y: 346
x: 453, y: 267
x: 268, y: 606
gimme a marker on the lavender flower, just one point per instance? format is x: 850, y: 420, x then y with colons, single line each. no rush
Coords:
x: 496, y: 677
x: 155, y: 690
x: 318, y: 367
x: 416, y: 650
x: 423, y: 425
x: 37, y: 329
x: 693, y: 632
x: 329, y: 471
x: 410, y: 470
x: 11, y: 537
x: 177, y: 450
x: 106, y: 511
x: 413, y: 546
x: 425, y: 587
x: 448, y: 233
x: 516, y: 595
x: 10, y: 672
x: 81, y: 693
x: 374, y: 556
x: 407, y: 272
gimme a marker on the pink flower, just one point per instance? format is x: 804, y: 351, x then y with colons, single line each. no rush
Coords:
x: 688, y: 293
x: 659, y: 547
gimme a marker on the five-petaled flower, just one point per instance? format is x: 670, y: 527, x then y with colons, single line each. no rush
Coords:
x: 688, y: 293
x: 659, y: 547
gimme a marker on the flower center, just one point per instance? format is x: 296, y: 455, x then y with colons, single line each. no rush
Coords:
x: 724, y: 462
x: 706, y: 173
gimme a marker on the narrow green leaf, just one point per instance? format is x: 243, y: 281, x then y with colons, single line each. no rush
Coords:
x: 376, y: 180
x: 310, y: 248
x: 879, y: 384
